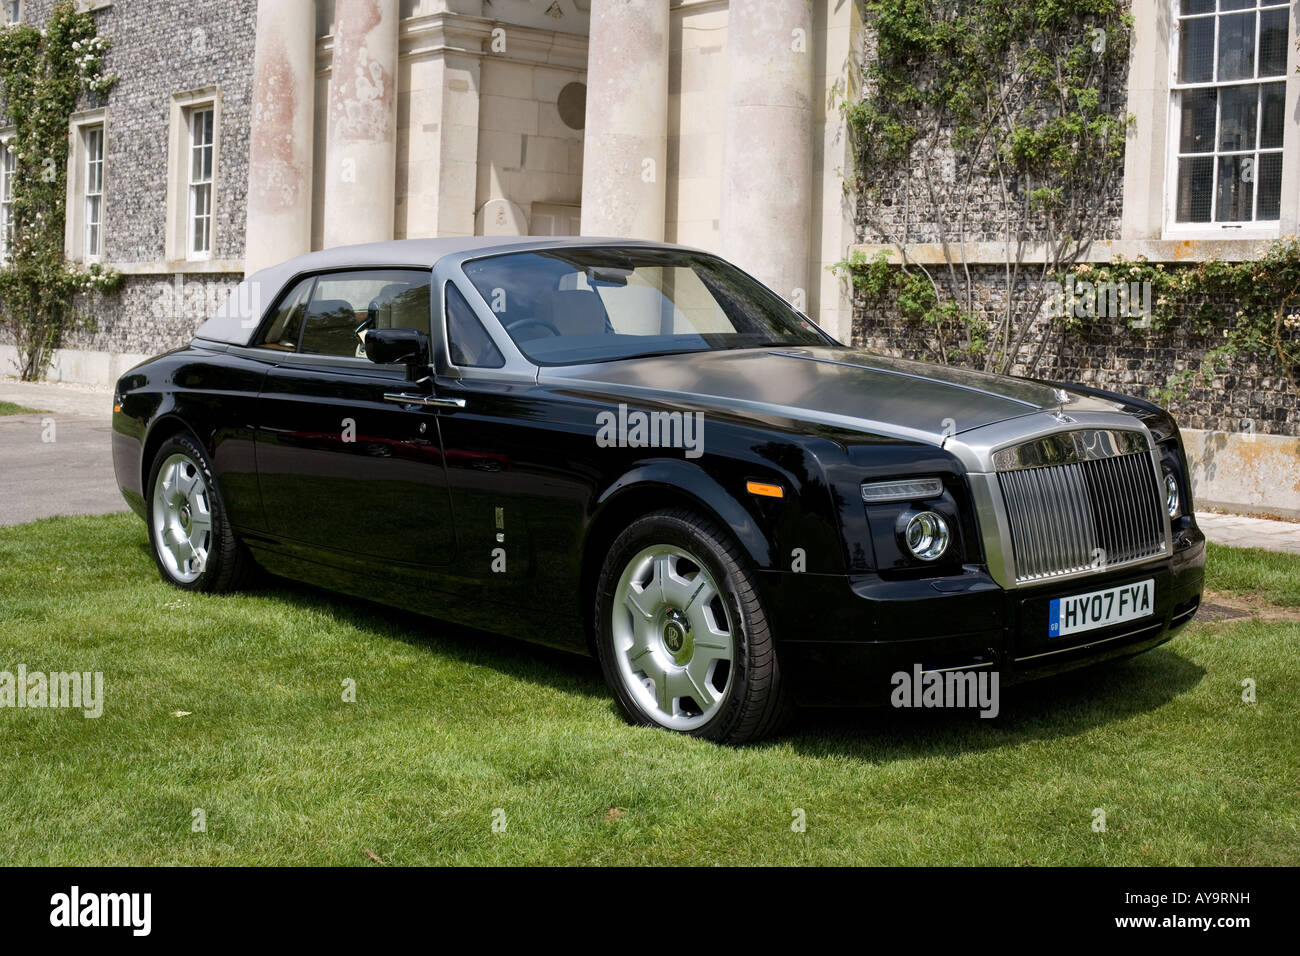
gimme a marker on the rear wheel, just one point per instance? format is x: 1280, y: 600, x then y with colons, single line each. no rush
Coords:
x: 681, y: 634
x: 192, y: 541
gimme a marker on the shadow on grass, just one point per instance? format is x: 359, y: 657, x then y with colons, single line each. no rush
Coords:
x: 521, y: 660
x: 1052, y: 708
x: 1049, y: 709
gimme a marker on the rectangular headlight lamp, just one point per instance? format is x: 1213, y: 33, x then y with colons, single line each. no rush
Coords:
x: 910, y: 489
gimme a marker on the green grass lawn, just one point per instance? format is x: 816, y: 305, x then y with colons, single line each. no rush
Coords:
x: 450, y: 727
x: 10, y: 408
x: 1266, y: 575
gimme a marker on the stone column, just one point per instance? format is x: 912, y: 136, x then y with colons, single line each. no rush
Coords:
x: 768, y: 154
x: 625, y: 150
x: 361, y: 148
x: 834, y: 194
x: 280, y: 133
x: 1143, y: 214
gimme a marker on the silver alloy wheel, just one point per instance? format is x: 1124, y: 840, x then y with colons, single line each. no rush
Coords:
x: 182, y: 518
x: 673, y: 637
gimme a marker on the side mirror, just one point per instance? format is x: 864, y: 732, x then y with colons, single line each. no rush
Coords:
x: 407, y: 346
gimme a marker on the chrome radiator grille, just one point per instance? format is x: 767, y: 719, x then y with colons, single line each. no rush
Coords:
x: 1099, y: 507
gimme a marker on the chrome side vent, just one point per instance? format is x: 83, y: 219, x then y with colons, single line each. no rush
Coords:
x: 1081, y: 501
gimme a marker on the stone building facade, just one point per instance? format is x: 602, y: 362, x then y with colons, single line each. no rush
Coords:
x: 166, y: 54
x: 703, y: 122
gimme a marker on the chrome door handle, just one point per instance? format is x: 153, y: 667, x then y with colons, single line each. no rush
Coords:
x: 405, y: 398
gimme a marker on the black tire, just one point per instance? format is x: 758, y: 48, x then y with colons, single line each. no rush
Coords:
x: 227, y: 562
x: 755, y: 703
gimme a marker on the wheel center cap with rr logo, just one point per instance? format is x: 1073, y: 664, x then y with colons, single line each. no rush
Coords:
x: 676, y: 636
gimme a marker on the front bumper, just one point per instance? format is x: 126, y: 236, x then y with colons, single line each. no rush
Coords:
x: 841, y: 638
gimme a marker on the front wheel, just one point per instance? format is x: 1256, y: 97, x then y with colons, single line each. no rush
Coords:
x: 192, y: 541
x: 681, y: 634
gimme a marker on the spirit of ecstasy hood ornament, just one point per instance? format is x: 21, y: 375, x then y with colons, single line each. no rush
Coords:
x: 1063, y: 398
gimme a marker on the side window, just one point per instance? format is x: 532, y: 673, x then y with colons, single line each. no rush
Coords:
x: 344, y: 305
x: 471, y: 346
x: 286, y: 327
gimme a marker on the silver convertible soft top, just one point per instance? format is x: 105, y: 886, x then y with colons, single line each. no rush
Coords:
x: 238, y: 318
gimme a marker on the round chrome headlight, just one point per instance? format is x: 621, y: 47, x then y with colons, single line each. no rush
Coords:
x: 926, y: 535
x: 1172, y: 499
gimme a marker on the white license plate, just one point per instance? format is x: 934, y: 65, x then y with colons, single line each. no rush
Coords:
x: 1086, y: 612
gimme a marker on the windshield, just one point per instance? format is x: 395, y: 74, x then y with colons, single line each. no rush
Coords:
x: 571, y: 306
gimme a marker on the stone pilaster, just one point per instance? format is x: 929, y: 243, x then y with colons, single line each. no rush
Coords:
x: 278, y: 224
x: 768, y: 154
x: 626, y: 149
x: 361, y: 149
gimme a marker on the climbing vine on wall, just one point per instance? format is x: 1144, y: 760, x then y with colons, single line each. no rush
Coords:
x: 1251, y: 309
x: 42, y: 74
x: 996, y: 121
x: 1006, y: 122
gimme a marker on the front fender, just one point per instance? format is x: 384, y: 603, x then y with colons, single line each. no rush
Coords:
x: 689, y: 480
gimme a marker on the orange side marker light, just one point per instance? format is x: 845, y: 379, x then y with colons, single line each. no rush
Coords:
x: 764, y: 490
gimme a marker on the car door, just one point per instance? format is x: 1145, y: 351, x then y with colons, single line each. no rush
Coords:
x: 519, y: 501
x: 345, y: 467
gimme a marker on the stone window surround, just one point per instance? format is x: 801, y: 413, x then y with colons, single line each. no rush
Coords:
x: 1147, y: 167
x: 1150, y: 156
x: 1170, y: 229
x: 74, y: 236
x: 177, y: 251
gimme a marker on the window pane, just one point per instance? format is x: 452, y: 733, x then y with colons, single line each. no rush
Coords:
x: 567, y: 306
x: 1195, y: 182
x: 1196, y: 51
x: 1197, y: 6
x: 200, y: 218
x: 470, y: 344
x: 203, y: 127
x: 1272, y: 42
x: 1270, y: 135
x: 1199, y: 107
x: 201, y: 146
x: 1236, y: 4
x: 283, y: 331
x: 196, y: 166
x: 381, y: 299
x: 1270, y: 186
x: 1235, y: 201
x: 1237, y: 47
x: 1238, y: 114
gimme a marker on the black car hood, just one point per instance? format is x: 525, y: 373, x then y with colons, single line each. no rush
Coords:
x: 846, y: 387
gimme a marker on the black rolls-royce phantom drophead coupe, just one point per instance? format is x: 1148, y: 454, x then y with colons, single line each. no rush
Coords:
x: 638, y: 451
